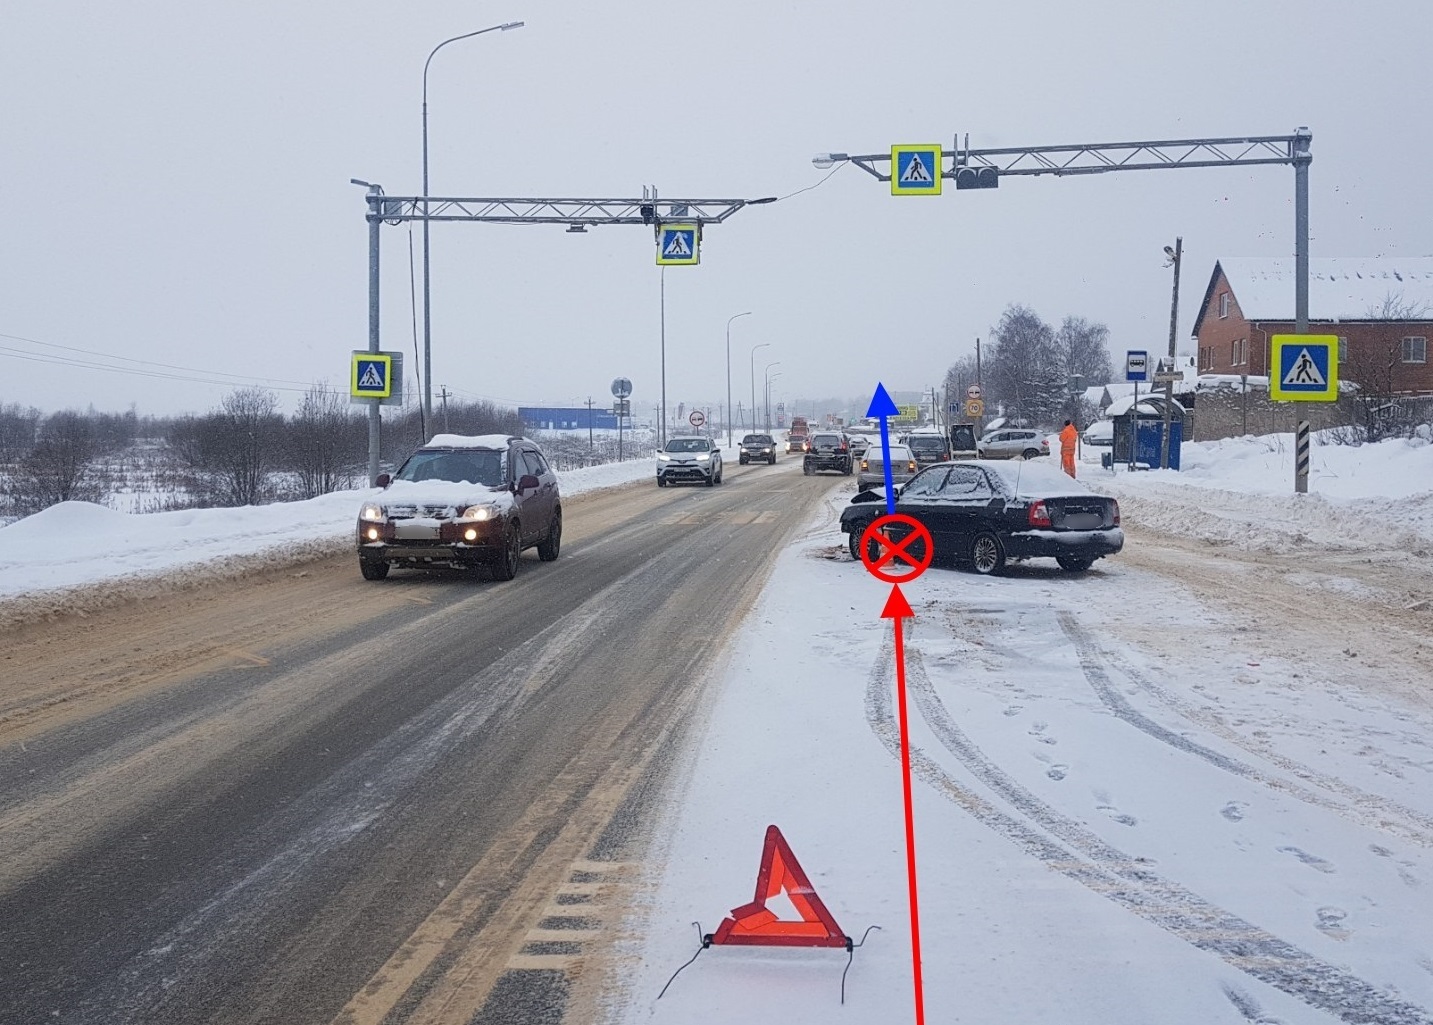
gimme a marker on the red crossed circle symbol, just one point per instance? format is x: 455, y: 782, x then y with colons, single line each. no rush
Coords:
x: 897, y: 552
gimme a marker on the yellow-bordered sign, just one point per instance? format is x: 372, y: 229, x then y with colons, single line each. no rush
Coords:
x: 1303, y: 368
x: 915, y: 170
x: 679, y: 245
x: 371, y: 376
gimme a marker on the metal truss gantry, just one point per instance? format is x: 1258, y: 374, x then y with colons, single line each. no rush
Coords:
x: 1102, y: 157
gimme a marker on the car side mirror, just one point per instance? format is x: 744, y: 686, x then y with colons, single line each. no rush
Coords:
x: 528, y: 482
x: 383, y: 481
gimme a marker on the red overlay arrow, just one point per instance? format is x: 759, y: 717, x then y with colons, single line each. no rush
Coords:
x: 897, y: 608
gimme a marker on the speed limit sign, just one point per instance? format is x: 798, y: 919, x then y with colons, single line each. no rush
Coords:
x: 697, y: 418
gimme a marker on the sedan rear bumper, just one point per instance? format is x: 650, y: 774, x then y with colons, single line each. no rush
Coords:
x: 1089, y: 544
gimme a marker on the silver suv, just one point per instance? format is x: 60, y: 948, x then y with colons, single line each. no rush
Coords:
x: 1013, y: 443
x: 690, y: 460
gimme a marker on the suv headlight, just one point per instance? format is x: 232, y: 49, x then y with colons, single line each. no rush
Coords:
x: 703, y: 456
x: 478, y: 512
x: 373, y: 514
x: 662, y: 457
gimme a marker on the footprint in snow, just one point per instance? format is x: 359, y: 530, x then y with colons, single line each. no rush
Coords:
x: 1057, y: 772
x: 1311, y: 860
x: 1117, y: 815
x: 1234, y: 810
x: 1037, y: 730
x: 1330, y: 922
x: 1014, y: 710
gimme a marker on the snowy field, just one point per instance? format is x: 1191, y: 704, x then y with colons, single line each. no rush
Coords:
x: 1136, y: 800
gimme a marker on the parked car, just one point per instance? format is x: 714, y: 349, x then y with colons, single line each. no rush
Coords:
x: 1101, y: 432
x: 757, y: 448
x: 986, y: 514
x: 872, y: 473
x: 1013, y: 443
x: 460, y: 502
x: 929, y: 447
x: 859, y: 444
x: 828, y: 450
x: 690, y: 460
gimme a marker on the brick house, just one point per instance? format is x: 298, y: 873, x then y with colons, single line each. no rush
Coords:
x: 1380, y: 308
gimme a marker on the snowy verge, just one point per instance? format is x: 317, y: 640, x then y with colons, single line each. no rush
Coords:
x: 79, y: 557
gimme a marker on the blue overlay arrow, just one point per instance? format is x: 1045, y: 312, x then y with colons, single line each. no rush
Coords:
x: 883, y: 406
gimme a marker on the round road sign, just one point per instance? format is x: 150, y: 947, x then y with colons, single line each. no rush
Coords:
x: 697, y: 418
x: 973, y: 392
x: 621, y: 388
x: 895, y: 535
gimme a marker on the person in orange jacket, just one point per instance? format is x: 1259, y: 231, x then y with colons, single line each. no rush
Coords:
x: 1069, y: 438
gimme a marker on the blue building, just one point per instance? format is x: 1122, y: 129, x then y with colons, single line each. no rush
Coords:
x: 567, y: 418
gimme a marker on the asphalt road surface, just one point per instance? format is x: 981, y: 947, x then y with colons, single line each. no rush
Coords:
x: 303, y: 797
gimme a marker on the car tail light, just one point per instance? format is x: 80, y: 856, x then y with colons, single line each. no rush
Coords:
x: 911, y: 466
x: 1117, y: 512
x: 865, y: 464
x: 1040, y: 515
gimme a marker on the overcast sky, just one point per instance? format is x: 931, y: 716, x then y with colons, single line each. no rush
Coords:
x: 176, y: 182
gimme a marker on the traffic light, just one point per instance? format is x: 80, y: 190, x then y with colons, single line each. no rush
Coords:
x: 977, y: 177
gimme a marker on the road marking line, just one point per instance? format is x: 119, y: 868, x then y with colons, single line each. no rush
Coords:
x: 542, y: 962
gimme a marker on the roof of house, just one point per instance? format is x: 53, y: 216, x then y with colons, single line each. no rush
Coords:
x: 1340, y: 287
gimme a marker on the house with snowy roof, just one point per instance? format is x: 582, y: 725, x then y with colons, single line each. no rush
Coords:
x: 1380, y: 308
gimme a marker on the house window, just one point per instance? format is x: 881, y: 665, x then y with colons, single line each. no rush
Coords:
x: 1342, y: 349
x: 1239, y: 352
x: 1415, y: 350
x: 1223, y: 304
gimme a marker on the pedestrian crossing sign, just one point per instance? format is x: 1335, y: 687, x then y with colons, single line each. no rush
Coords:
x: 679, y: 244
x: 372, y: 376
x: 915, y: 170
x: 1303, y: 368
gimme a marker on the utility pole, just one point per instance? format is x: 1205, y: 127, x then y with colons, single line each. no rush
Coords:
x: 443, y: 394
x: 589, y: 425
x: 1174, y: 258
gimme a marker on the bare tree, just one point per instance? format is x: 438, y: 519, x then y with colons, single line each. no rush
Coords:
x: 60, y: 468
x: 1083, y: 347
x: 232, y: 452
x: 19, y: 426
x: 324, y: 442
x: 1395, y: 307
x: 1023, y: 370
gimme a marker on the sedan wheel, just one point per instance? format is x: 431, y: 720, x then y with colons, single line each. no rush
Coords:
x: 547, y: 550
x: 987, y: 554
x: 373, y: 569
x: 1074, y: 563
x: 506, y: 566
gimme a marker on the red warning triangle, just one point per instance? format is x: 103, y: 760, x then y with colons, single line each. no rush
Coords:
x: 754, y: 924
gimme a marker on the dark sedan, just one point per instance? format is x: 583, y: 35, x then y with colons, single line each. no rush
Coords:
x: 984, y: 514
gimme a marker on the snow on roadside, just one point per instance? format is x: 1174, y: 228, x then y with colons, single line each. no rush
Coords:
x: 1240, y: 492
x: 77, y: 556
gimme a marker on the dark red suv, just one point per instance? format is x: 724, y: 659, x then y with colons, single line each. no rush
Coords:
x: 462, y: 502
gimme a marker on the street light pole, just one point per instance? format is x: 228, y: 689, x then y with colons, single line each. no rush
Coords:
x: 760, y: 345
x: 427, y: 279
x: 728, y: 373
x: 1174, y: 257
x: 767, y: 375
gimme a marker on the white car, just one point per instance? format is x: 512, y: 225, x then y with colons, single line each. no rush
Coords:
x: 1101, y: 432
x: 689, y: 460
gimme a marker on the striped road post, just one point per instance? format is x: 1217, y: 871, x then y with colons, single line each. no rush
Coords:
x: 1301, y: 458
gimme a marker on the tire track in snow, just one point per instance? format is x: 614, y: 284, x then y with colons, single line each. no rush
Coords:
x: 1367, y: 809
x: 1087, y: 859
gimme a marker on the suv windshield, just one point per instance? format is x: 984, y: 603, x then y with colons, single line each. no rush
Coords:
x: 926, y: 443
x: 476, y: 466
x: 689, y: 445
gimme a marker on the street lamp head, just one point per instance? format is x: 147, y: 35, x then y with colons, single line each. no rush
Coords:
x: 512, y: 24
x: 825, y: 160
x: 359, y: 181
